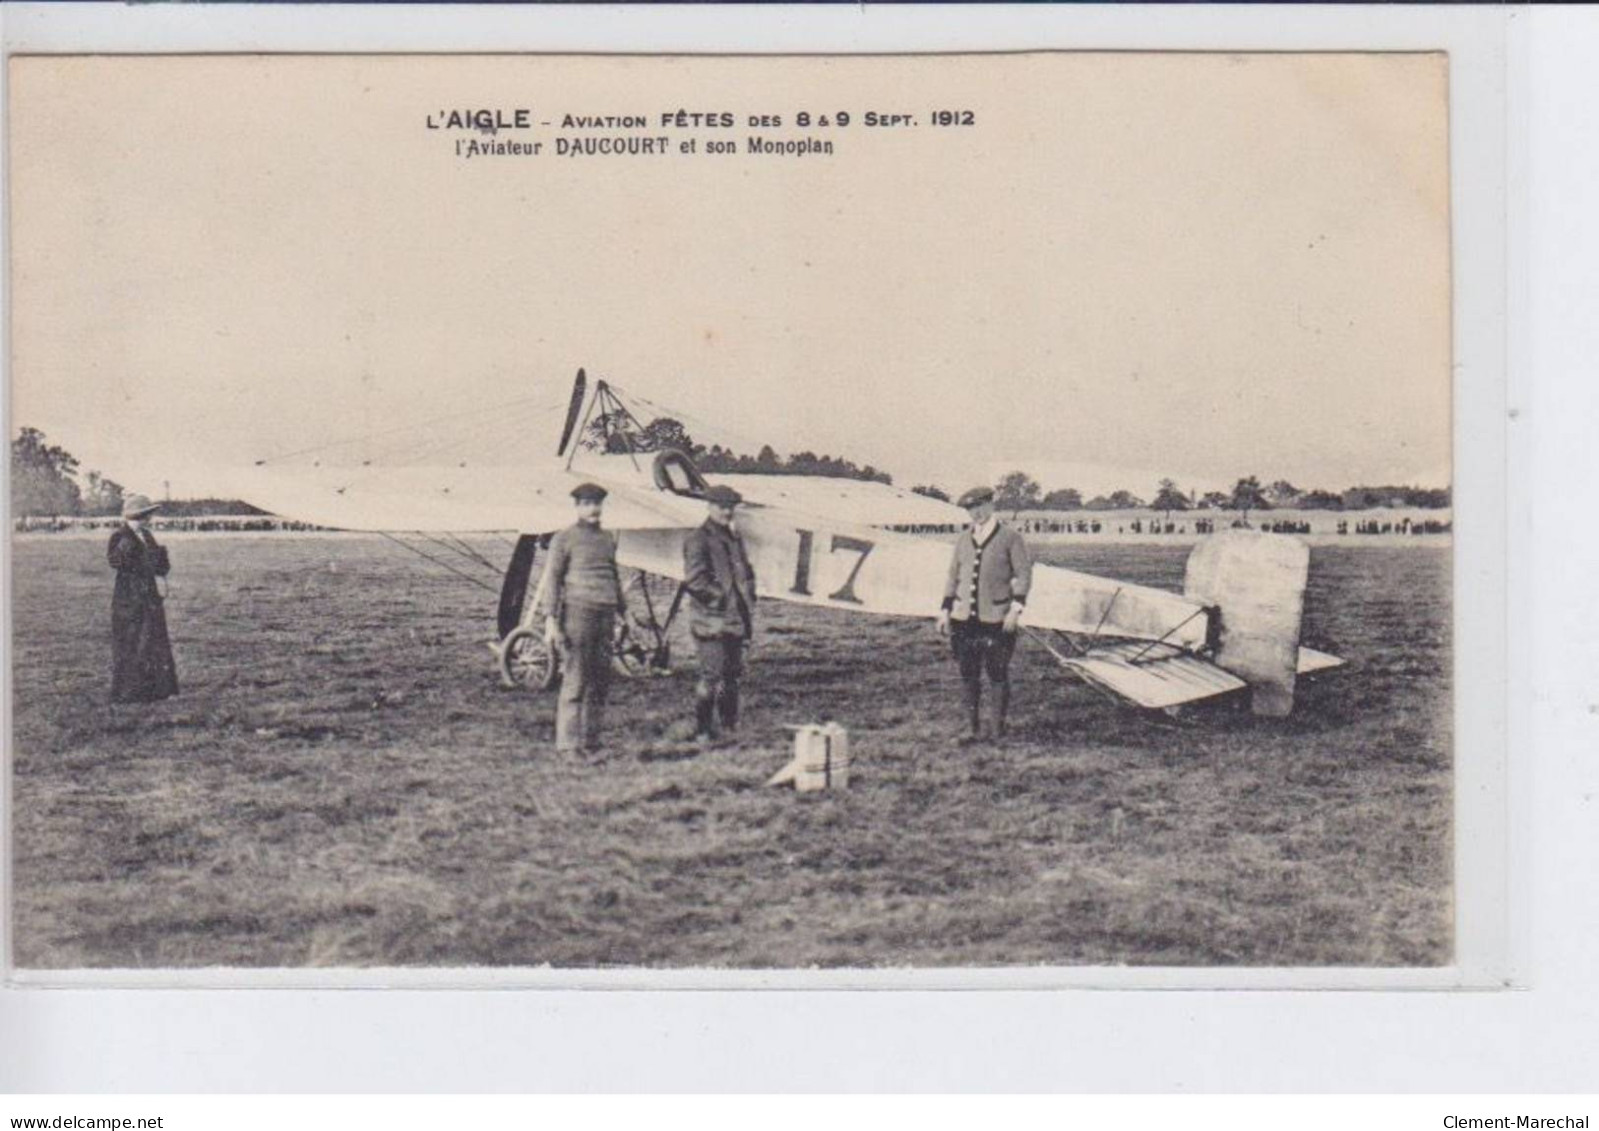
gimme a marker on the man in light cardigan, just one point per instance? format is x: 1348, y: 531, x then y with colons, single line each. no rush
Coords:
x: 989, y: 576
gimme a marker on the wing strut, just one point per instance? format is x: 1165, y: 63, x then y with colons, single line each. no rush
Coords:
x: 615, y: 418
x: 1104, y: 616
x: 615, y: 407
x: 1168, y: 632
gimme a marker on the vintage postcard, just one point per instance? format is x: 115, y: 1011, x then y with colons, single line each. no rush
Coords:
x: 731, y: 512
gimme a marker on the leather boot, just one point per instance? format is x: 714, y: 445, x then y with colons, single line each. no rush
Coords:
x: 705, y: 713
x: 1001, y: 709
x: 974, y: 713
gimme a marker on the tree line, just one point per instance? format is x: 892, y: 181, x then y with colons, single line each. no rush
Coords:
x: 48, y: 480
x: 1018, y: 491
x: 618, y: 432
x: 45, y: 480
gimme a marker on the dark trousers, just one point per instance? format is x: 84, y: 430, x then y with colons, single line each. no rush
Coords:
x: 716, y: 691
x: 585, y: 675
x: 979, y: 647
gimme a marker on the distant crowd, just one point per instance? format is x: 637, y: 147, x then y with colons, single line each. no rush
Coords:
x: 189, y: 523
x: 1034, y: 524
x: 1201, y: 526
x: 1403, y: 526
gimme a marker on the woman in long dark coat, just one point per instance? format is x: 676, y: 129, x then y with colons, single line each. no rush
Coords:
x: 142, y: 668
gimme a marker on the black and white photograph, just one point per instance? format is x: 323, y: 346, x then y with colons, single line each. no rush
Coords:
x: 732, y: 513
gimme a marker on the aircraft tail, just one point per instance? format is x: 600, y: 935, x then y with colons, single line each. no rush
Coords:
x: 1257, y: 581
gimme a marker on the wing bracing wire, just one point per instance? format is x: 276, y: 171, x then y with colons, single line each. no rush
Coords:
x: 448, y: 567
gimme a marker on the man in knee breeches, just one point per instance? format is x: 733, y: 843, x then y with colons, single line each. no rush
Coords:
x: 985, y: 593
x: 720, y: 584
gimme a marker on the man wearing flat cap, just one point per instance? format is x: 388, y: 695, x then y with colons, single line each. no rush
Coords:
x: 720, y: 584
x: 582, y: 597
x: 990, y: 572
x: 142, y: 668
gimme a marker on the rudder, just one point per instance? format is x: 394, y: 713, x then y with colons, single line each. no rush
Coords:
x: 1258, y: 582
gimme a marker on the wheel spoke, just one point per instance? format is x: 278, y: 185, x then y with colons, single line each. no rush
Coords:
x: 526, y: 660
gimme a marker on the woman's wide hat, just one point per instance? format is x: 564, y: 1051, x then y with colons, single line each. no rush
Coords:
x: 136, y: 506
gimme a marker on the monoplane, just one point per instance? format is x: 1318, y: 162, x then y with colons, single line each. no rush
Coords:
x: 843, y: 544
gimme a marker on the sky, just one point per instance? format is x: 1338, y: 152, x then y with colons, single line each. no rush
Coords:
x: 1219, y: 265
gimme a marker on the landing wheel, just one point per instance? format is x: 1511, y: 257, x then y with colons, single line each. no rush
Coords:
x: 527, y: 661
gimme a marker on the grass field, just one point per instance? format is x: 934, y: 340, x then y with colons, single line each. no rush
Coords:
x: 343, y: 782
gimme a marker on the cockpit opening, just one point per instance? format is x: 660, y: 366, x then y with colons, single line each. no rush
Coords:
x: 674, y: 471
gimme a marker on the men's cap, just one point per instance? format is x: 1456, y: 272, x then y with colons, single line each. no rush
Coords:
x: 588, y: 492
x: 723, y: 496
x: 135, y: 505
x: 977, y: 496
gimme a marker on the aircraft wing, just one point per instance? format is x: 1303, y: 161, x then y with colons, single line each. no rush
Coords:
x: 1165, y: 679
x: 457, y: 500
x: 1161, y: 676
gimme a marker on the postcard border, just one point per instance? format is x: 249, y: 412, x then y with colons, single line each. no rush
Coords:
x: 1492, y: 798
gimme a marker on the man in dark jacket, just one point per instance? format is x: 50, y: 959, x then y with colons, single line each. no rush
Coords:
x: 990, y: 573
x: 582, y: 597
x: 142, y: 669
x: 721, y: 588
